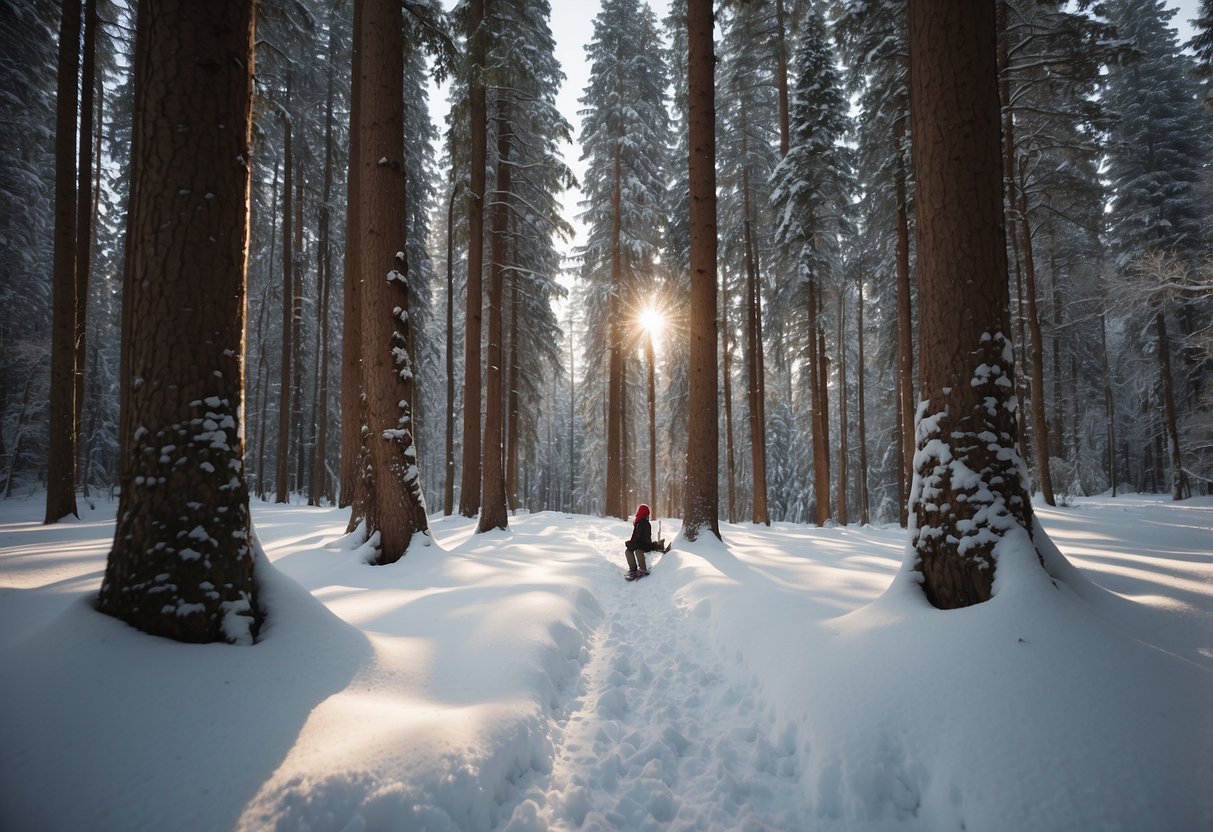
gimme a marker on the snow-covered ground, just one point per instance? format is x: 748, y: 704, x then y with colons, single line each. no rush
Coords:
x: 513, y: 681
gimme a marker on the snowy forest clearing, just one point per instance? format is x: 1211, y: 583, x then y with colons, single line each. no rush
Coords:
x: 513, y: 681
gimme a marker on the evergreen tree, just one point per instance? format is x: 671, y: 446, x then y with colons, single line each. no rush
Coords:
x: 811, y: 192
x: 749, y: 126
x: 1157, y: 141
x: 527, y: 131
x: 625, y: 135
x: 873, y: 44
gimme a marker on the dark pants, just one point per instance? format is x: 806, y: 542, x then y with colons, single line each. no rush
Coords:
x: 633, y: 556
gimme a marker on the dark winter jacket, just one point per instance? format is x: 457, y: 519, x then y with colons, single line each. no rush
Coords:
x: 642, y: 536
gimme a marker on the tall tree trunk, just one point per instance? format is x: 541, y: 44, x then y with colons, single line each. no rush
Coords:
x: 263, y: 363
x: 843, y: 449
x: 726, y: 379
x: 1170, y: 423
x: 395, y: 508
x: 351, y: 304
x: 865, y: 509
x: 320, y: 478
x: 469, y: 491
x: 493, y: 513
x: 1108, y: 401
x: 1041, y: 425
x: 905, y: 317
x: 819, y: 412
x: 282, y: 464
x: 61, y: 430
x: 967, y: 430
x: 181, y: 565
x: 615, y: 502
x: 298, y: 451
x: 448, y: 488
x: 702, y: 493
x: 651, y: 360
x: 513, y: 438
x: 755, y: 384
x: 781, y: 76
x: 84, y: 214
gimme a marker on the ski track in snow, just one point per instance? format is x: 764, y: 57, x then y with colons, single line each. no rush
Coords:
x: 657, y: 732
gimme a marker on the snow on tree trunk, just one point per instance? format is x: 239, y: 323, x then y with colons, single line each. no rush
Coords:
x: 181, y: 565
x: 969, y: 492
x: 395, y: 507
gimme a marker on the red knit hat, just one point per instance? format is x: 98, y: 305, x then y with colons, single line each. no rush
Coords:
x: 642, y: 511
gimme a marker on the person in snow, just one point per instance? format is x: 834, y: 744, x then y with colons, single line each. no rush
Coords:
x: 640, y: 542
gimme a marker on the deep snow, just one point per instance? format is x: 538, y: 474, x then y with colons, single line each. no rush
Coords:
x: 789, y: 678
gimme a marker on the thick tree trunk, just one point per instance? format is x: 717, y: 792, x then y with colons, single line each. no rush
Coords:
x: 395, y: 507
x: 181, y: 564
x: 61, y: 429
x: 493, y: 513
x: 469, y: 490
x: 651, y: 361
x: 351, y: 304
x: 968, y: 495
x: 282, y: 464
x: 702, y: 493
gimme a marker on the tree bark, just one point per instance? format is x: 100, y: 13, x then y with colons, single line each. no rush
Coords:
x: 351, y: 303
x: 615, y: 501
x: 1170, y: 423
x: 865, y: 510
x: 968, y: 494
x: 726, y: 379
x: 905, y: 319
x: 469, y: 491
x: 298, y: 451
x: 282, y: 464
x: 395, y: 507
x: 1108, y: 401
x: 512, y: 406
x: 843, y: 449
x: 1039, y: 422
x: 318, y: 486
x: 448, y: 493
x: 819, y: 416
x: 702, y: 493
x: 755, y: 383
x: 493, y: 512
x: 61, y: 428
x: 181, y: 564
x: 84, y: 217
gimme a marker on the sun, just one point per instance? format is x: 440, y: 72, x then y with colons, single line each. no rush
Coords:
x: 652, y: 321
